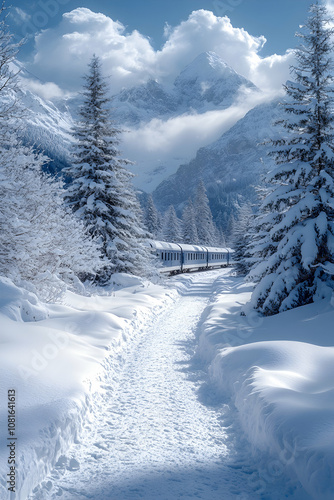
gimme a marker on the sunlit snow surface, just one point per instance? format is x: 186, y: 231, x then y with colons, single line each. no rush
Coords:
x: 51, y: 355
x: 281, y: 383
x: 147, y: 393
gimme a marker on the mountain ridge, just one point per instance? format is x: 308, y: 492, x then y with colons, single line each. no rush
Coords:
x: 206, y: 84
x: 230, y: 167
x: 194, y: 89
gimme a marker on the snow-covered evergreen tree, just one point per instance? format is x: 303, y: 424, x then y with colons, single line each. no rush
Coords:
x: 171, y: 227
x: 152, y: 218
x: 189, y: 224
x: 101, y: 192
x: 41, y: 243
x: 204, y: 221
x: 10, y: 110
x: 241, y: 237
x: 258, y: 230
x: 220, y: 238
x: 295, y: 251
x: 231, y: 222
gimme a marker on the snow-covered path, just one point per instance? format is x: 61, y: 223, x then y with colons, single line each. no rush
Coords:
x: 151, y: 437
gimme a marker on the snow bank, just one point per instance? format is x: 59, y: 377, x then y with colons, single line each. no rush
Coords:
x: 19, y: 304
x: 53, y: 356
x: 284, y: 393
x: 280, y: 381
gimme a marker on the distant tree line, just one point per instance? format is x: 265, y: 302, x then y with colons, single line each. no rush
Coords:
x: 196, y: 226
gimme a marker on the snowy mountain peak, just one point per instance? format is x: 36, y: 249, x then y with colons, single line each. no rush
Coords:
x: 206, y: 84
x: 207, y: 65
x: 209, y: 79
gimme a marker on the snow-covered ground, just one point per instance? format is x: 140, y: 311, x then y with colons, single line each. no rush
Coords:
x: 279, y: 374
x: 167, y: 392
x: 51, y: 356
x: 154, y: 438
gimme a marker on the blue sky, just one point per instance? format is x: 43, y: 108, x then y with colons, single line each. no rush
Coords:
x: 156, y: 39
x: 276, y: 20
x: 135, y: 44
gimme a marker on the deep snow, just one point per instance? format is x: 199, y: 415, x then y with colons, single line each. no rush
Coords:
x: 51, y: 355
x: 146, y: 393
x: 154, y: 438
x: 279, y: 374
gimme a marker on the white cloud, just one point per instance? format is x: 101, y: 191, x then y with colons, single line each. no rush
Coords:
x: 203, y: 31
x: 165, y: 144
x: 47, y: 90
x: 62, y: 54
x: 19, y: 16
x: 271, y: 72
x: 330, y: 5
x: 158, y: 134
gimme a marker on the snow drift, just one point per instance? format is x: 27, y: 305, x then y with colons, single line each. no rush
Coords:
x: 280, y: 382
x: 54, y: 357
x: 284, y: 393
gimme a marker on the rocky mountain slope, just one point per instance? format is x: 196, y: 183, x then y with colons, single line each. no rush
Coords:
x: 47, y: 127
x: 206, y: 84
x: 230, y: 168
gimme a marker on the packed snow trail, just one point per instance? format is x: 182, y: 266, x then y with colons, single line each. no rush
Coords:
x: 152, y: 437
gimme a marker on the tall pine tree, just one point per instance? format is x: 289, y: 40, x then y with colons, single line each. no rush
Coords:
x: 171, y: 227
x: 100, y: 192
x: 296, y: 250
x: 190, y: 235
x: 241, y: 237
x: 204, y: 221
x: 152, y: 218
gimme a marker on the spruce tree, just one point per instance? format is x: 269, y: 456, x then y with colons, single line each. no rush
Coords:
x: 100, y: 192
x: 42, y: 246
x: 171, y: 228
x: 220, y: 239
x: 204, y: 221
x: 152, y: 218
x: 241, y: 238
x: 190, y: 235
x: 295, y: 250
